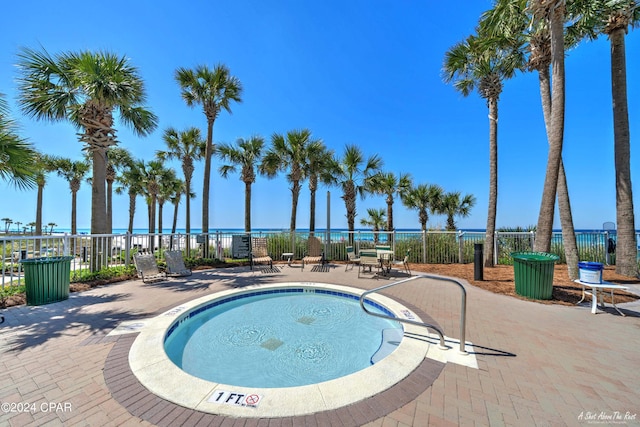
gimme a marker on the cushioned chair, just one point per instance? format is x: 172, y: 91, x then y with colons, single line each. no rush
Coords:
x: 404, y: 263
x: 147, y: 267
x: 259, y: 253
x: 314, y: 254
x: 368, y: 258
x: 175, y: 264
x: 351, y: 258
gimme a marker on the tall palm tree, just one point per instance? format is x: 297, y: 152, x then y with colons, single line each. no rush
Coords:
x: 388, y: 184
x: 375, y: 220
x: 353, y: 172
x: 152, y: 174
x: 614, y: 18
x: 478, y: 63
x: 45, y: 164
x: 289, y: 154
x: 131, y: 181
x: 246, y: 154
x: 453, y: 205
x: 17, y: 156
x: 86, y: 88
x: 188, y: 147
x: 118, y: 160
x: 508, y: 24
x: 214, y: 90
x: 321, y: 168
x: 424, y: 198
x: 74, y: 172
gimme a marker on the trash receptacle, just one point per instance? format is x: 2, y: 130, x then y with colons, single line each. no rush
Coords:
x: 533, y: 273
x: 46, y: 279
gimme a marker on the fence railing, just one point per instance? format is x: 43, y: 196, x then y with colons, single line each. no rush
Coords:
x: 93, y: 252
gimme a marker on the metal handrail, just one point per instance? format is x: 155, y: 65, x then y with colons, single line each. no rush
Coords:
x: 463, y: 310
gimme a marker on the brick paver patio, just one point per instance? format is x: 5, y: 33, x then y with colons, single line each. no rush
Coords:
x: 538, y: 364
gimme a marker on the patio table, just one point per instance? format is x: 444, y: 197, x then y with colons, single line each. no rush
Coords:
x: 594, y: 293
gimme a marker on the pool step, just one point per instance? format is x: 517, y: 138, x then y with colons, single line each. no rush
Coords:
x: 391, y: 338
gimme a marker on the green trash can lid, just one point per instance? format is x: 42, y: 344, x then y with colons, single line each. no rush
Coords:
x: 46, y: 260
x: 534, y: 256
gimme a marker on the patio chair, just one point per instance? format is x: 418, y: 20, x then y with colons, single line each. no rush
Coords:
x: 368, y: 258
x: 147, y: 267
x: 175, y: 264
x: 314, y: 254
x: 259, y: 254
x: 351, y: 258
x: 404, y: 263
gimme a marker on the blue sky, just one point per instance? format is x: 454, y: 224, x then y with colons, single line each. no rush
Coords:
x: 357, y: 72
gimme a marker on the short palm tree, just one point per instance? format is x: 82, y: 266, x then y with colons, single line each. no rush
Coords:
x: 321, y: 168
x: 74, y: 172
x: 424, y: 198
x: 7, y: 223
x: 478, y: 63
x: 389, y: 185
x: 180, y: 189
x: 16, y: 155
x: 131, y: 181
x: 118, y: 160
x: 169, y: 185
x: 152, y: 173
x: 289, y: 153
x: 376, y: 220
x: 245, y: 154
x: 215, y: 89
x: 51, y: 225
x: 45, y: 165
x: 353, y: 172
x: 188, y: 147
x: 453, y: 205
x: 86, y: 88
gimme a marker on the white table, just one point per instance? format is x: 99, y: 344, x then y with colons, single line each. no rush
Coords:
x: 385, y: 256
x: 594, y: 293
x: 288, y: 256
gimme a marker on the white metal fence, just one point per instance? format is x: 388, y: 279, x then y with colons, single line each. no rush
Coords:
x: 91, y: 252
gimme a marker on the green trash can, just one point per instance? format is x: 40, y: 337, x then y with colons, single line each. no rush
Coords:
x: 46, y: 279
x: 534, y: 274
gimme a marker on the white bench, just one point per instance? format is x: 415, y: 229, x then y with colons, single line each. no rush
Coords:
x: 594, y: 294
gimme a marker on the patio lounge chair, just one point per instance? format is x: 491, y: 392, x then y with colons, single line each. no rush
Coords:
x: 147, y: 267
x: 314, y: 254
x: 368, y: 258
x: 259, y: 254
x: 351, y: 258
x: 175, y: 264
x: 404, y: 263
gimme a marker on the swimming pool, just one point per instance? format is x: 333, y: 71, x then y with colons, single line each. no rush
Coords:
x: 159, y: 374
x: 281, y: 338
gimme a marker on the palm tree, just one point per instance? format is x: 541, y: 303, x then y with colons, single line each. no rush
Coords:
x: 375, y: 220
x: 31, y: 225
x: 152, y: 174
x: 353, y: 172
x: 453, y: 205
x: 289, y: 154
x: 478, y: 63
x: 180, y: 188
x: 17, y: 157
x: 51, y: 225
x: 74, y: 172
x: 507, y: 24
x: 388, y: 184
x: 321, y: 168
x: 131, y: 181
x: 187, y: 147
x: 614, y: 18
x: 45, y: 164
x: 424, y: 198
x: 214, y: 90
x: 245, y: 154
x: 7, y: 223
x: 86, y: 88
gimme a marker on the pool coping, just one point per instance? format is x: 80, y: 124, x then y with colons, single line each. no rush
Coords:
x: 155, y: 371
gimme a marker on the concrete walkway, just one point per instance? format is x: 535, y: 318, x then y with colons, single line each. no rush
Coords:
x: 537, y: 364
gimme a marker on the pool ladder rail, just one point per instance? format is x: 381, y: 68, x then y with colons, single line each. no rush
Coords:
x: 463, y: 309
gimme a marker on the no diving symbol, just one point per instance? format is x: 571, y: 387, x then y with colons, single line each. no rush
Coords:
x: 252, y: 400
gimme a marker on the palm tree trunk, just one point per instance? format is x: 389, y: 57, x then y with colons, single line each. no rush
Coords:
x: 109, y: 206
x: 74, y: 198
x: 160, y: 208
x: 295, y: 193
x: 493, y: 183
x: 556, y: 134
x: 132, y: 210
x: 312, y: 212
x: 247, y: 207
x: 205, y: 185
x: 98, y: 205
x: 187, y: 181
x: 564, y: 205
x: 626, y: 252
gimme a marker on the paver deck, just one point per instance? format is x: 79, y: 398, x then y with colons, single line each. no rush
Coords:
x: 538, y: 364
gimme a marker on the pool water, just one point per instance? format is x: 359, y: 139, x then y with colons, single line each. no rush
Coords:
x: 278, y: 340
